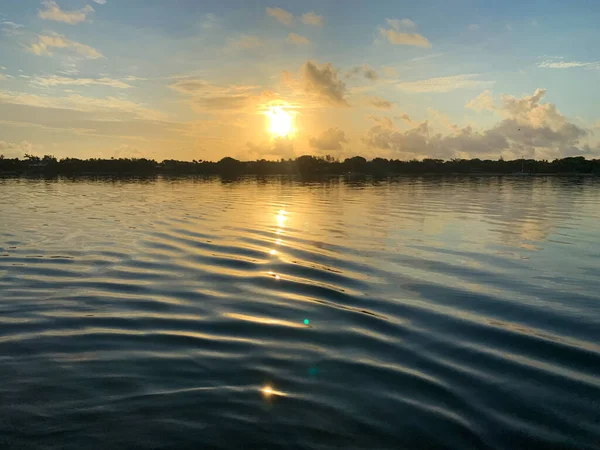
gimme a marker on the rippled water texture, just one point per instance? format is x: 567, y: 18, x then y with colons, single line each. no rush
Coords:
x: 416, y: 313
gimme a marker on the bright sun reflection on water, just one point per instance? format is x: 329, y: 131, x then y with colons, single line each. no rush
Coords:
x: 281, y: 218
x: 267, y: 392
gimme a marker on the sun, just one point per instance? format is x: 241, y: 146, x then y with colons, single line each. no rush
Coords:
x: 281, y: 121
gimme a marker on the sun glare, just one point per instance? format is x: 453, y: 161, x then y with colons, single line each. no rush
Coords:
x: 281, y: 121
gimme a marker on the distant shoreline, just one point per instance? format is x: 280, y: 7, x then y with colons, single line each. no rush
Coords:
x: 305, y: 166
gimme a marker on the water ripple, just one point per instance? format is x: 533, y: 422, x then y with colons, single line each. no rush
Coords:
x: 275, y: 313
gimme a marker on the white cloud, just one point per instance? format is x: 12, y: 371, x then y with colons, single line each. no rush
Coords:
x: 53, y: 12
x: 558, y: 63
x: 444, y: 84
x: 297, y: 39
x: 134, y: 78
x: 311, y: 18
x: 54, y: 80
x: 403, y: 32
x: 528, y: 128
x: 331, y: 139
x: 473, y: 27
x: 11, y: 28
x: 245, y: 42
x: 483, y: 102
x: 281, y: 15
x: 46, y: 43
x: 100, y: 2
x: 210, y: 21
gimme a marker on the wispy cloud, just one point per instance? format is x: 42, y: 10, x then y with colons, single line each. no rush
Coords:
x: 208, y: 97
x: 281, y: 15
x: 311, y: 18
x: 210, y: 21
x: 473, y: 27
x: 54, y: 80
x: 444, y: 84
x: 365, y: 70
x: 81, y: 103
x: 403, y: 32
x: 46, y: 43
x: 134, y: 78
x: 559, y: 63
x: 11, y: 28
x: 297, y: 39
x: 245, y: 42
x: 53, y: 12
x: 380, y: 103
x: 100, y: 2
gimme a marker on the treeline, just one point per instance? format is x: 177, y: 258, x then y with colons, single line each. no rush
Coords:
x: 304, y: 165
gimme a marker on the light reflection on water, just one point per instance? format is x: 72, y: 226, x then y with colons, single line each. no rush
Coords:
x: 187, y: 313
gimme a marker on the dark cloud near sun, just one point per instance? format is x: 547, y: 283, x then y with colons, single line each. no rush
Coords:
x: 380, y: 103
x: 330, y: 139
x: 365, y: 71
x: 324, y: 82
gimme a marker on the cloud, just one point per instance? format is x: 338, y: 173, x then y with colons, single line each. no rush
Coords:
x: 527, y: 127
x: 53, y: 12
x: 311, y: 18
x: 245, y: 42
x: 473, y: 27
x: 558, y: 63
x: 11, y: 28
x: 380, y: 103
x: 331, y: 139
x: 100, y: 2
x: 46, y: 43
x: 18, y: 149
x: 405, y: 117
x: 81, y: 103
x: 273, y: 149
x: 364, y: 70
x: 208, y: 97
x: 403, y: 32
x: 281, y: 15
x: 134, y: 78
x: 389, y: 71
x: 444, y: 84
x: 54, y: 80
x: 483, y: 102
x: 210, y: 21
x: 324, y: 83
x: 297, y: 39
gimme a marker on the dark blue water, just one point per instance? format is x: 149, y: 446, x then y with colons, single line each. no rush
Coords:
x: 442, y: 313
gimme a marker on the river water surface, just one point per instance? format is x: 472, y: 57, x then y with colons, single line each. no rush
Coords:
x: 274, y: 313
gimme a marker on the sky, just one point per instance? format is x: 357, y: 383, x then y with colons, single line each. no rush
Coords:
x: 201, y: 80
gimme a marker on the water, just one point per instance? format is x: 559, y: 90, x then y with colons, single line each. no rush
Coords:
x: 442, y: 313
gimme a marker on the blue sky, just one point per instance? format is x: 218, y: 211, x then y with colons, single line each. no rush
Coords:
x: 192, y: 79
